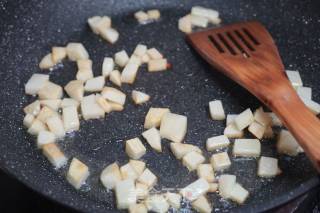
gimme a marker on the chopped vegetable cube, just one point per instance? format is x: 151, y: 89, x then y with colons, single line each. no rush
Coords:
x: 135, y: 149
x: 110, y: 176
x: 154, y: 117
x: 76, y: 51
x: 35, y: 83
x: 244, y: 119
x: 139, y: 97
x: 194, y: 190
x: 267, y: 167
x: 52, y: 152
x: 50, y: 91
x: 217, y: 142
x: 216, y: 110
x: 247, y: 148
x: 206, y: 171
x: 125, y: 194
x: 173, y: 127
x: 153, y: 138
x: 220, y: 161
x: 192, y: 160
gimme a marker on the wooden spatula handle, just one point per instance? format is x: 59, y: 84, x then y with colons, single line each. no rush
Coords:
x: 300, y: 121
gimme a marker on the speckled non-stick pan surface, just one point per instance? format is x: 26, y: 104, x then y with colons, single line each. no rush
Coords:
x: 28, y: 29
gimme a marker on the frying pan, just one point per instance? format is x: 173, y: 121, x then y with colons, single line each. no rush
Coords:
x: 28, y: 29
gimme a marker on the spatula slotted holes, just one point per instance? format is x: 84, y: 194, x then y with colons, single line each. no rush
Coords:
x: 238, y: 45
x: 250, y: 36
x: 226, y: 44
x: 242, y: 38
x: 215, y: 44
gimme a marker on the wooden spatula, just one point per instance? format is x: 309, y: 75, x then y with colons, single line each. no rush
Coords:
x: 246, y: 53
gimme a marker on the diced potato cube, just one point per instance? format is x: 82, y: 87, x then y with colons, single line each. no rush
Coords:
x: 58, y: 54
x: 115, y: 77
x: 107, y: 66
x: 206, y: 171
x: 125, y: 194
x: 216, y: 110
x: 78, y: 173
x: 155, y: 65
x: 157, y: 203
x: 35, y: 83
x: 261, y: 117
x: 36, y: 127
x: 104, y: 104
x: 46, y: 113
x: 231, y: 131
x: 244, y: 119
x: 220, y: 161
x: 267, y: 167
x: 153, y: 138
x: 141, y: 16
x: 226, y: 185
x: 138, y: 166
x: 174, y: 199
x: 114, y: 95
x: 142, y: 191
x: 90, y: 108
x: 181, y: 149
x: 199, y: 21
x: 148, y: 178
x: 140, y: 50
x: 52, y: 152
x: 202, y: 205
x: 93, y: 23
x: 239, y: 194
x: 129, y: 73
x: 135, y: 149
x: 153, y: 14
x: 46, y: 62
x: 27, y: 120
x: 184, y: 24
x: 84, y: 74
x: 110, y: 34
x: 173, y: 127
x: 153, y: 53
x: 50, y: 91
x: 33, y: 108
x: 287, y: 144
x: 115, y: 106
x: 312, y: 105
x: 76, y: 51
x: 213, y: 187
x: 268, y: 133
x: 196, y: 189
x: 154, y: 117
x: 275, y: 121
x: 210, y: 14
x: 128, y: 172
x: 304, y: 92
x: 294, y: 78
x: 217, y: 142
x: 246, y: 148
x: 138, y: 208
x: 75, y: 89
x: 45, y: 137
x: 139, y: 97
x: 53, y: 104
x: 257, y: 129
x: 121, y: 58
x: 84, y: 64
x: 95, y: 84
x: 66, y: 102
x: 110, y: 176
x: 102, y: 24
x: 70, y: 118
x: 145, y: 58
x: 55, y: 125
x: 230, y: 118
x: 192, y: 160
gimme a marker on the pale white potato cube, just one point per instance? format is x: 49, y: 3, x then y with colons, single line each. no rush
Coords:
x: 246, y: 148
x: 52, y: 152
x: 107, y: 66
x: 275, y: 121
x: 45, y: 137
x: 287, y: 144
x: 115, y: 77
x: 148, y: 178
x: 135, y: 60
x: 294, y: 78
x: 142, y: 191
x: 202, y: 205
x: 55, y: 125
x: 135, y: 149
x: 27, y: 120
x: 196, y: 189
x: 213, y: 187
x: 184, y: 24
x: 153, y: 53
x: 192, y: 160
x: 231, y: 131
x: 199, y: 21
x: 145, y: 58
x: 121, y: 58
x: 261, y: 117
x: 140, y: 50
x: 53, y: 104
x: 90, y: 108
x: 226, y: 185
x: 128, y: 172
x: 84, y: 75
x: 66, y: 102
x: 139, y: 97
x: 216, y: 21
x: 220, y: 161
x: 75, y: 89
x: 113, y: 95
x: 181, y: 149
x: 125, y: 194
x: 46, y: 113
x: 46, y: 62
x: 257, y: 129
x: 210, y: 14
x: 78, y: 173
x: 95, y: 84
x: 50, y: 91
x: 173, y: 127
x: 217, y: 142
x: 104, y: 104
x: 206, y: 171
x: 70, y: 118
x: 155, y: 65
x: 153, y: 14
x: 304, y: 92
x: 93, y: 23
x: 216, y: 110
x: 268, y: 133
x: 84, y: 64
x: 154, y: 117
x: 36, y: 127
x: 35, y: 83
x: 174, y: 199
x: 110, y: 176
x: 116, y: 107
x: 129, y: 73
x: 153, y: 138
x: 103, y: 23
x: 138, y: 208
x: 141, y: 16
x: 76, y: 51
x: 312, y: 105
x: 239, y: 194
x: 267, y: 167
x: 33, y: 108
x: 157, y: 203
x: 244, y: 119
x: 138, y: 166
x: 110, y: 34
x: 230, y: 119
x: 58, y: 54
